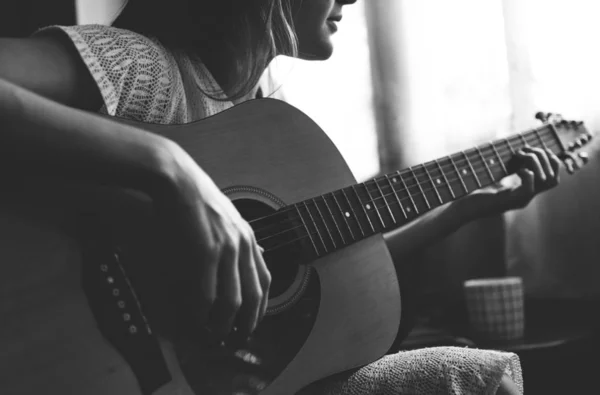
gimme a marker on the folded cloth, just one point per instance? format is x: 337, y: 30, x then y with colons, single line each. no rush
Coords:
x: 433, y: 370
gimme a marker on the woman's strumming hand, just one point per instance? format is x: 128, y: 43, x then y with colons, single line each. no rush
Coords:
x: 220, y: 250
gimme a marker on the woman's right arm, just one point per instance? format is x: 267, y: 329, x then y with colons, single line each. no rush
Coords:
x: 44, y: 86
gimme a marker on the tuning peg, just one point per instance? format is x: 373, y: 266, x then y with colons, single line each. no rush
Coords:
x: 541, y: 116
x: 585, y: 158
x: 556, y: 118
x: 570, y: 162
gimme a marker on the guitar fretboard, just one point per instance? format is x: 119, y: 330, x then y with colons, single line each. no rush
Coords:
x: 340, y: 218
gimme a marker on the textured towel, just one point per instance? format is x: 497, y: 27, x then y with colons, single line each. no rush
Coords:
x: 434, y: 370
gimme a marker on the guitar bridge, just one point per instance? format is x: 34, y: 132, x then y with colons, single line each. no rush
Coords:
x: 119, y: 316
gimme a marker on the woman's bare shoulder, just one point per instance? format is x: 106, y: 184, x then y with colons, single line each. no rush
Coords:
x: 50, y: 65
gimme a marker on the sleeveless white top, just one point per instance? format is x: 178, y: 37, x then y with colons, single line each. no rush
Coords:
x: 142, y: 80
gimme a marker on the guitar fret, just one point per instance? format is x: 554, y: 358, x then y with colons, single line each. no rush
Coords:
x: 344, y: 216
x: 446, y: 179
x: 433, y: 184
x: 420, y: 187
x: 316, y: 227
x: 486, y: 165
x: 307, y: 230
x: 510, y: 147
x: 334, y: 221
x: 537, y: 134
x: 462, y: 181
x: 354, y: 213
x: 374, y: 204
x: 499, y: 159
x: 387, y: 205
x: 363, y: 207
x: 555, y: 138
x: 525, y: 143
x: 472, y: 169
x: 408, y: 192
x: 324, y: 223
x: 397, y: 197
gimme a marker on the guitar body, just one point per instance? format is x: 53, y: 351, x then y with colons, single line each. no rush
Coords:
x: 65, y: 330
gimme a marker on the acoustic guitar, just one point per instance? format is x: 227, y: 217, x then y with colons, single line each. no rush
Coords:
x: 90, y: 302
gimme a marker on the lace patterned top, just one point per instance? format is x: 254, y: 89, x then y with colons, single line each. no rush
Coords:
x: 142, y: 80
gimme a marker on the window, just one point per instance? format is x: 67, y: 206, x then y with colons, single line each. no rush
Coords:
x: 337, y: 94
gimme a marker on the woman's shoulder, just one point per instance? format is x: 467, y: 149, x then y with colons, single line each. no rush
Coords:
x: 110, y: 41
x: 138, y: 77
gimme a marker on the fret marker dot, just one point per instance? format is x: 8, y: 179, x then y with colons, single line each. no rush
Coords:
x: 465, y: 172
x: 347, y: 214
x: 368, y: 206
x: 408, y: 209
x: 395, y: 180
x: 438, y: 181
x: 491, y: 162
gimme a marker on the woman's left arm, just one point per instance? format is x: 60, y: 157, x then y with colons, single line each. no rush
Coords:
x: 538, y: 172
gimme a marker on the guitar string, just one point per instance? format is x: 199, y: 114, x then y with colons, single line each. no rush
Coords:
x: 383, y: 197
x: 308, y: 233
x: 398, y: 201
x: 461, y: 160
x: 318, y: 233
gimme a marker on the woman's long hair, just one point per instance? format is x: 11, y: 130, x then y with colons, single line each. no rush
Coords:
x: 245, y: 34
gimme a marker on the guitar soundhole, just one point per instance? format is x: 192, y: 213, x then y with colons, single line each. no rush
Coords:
x: 282, y: 259
x: 294, y: 298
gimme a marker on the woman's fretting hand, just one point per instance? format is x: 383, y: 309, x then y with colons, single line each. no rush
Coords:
x: 219, y: 248
x: 539, y: 172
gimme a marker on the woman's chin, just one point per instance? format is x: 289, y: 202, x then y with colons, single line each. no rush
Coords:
x: 322, y: 51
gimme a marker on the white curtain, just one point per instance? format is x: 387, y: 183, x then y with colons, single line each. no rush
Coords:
x: 554, y: 243
x: 337, y: 93
x: 455, y: 74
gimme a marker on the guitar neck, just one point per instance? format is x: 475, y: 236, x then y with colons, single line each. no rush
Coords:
x: 343, y: 217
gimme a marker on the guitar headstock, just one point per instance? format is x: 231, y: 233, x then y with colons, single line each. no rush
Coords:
x: 572, y: 135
